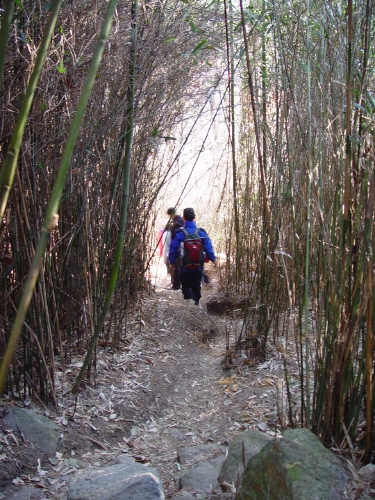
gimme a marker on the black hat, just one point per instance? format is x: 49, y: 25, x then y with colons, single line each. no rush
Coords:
x: 171, y: 211
x: 189, y: 214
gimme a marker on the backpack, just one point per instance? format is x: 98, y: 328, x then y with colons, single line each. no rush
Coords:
x: 192, y: 252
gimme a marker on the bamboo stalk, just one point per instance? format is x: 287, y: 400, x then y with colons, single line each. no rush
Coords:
x: 10, y: 163
x: 259, y: 149
x: 51, y: 218
x: 308, y: 225
x: 370, y: 344
x: 6, y: 21
x: 129, y: 118
x: 232, y: 130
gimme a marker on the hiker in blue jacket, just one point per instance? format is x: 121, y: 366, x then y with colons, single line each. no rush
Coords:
x: 190, y: 278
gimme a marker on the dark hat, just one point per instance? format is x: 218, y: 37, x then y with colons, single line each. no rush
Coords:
x: 189, y: 214
x: 171, y: 211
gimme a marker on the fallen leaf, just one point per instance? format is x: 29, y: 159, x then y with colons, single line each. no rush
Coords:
x: 18, y: 480
x: 226, y: 381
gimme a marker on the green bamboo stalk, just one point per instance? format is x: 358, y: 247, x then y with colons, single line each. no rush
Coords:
x: 51, y: 218
x: 7, y: 19
x: 308, y: 224
x: 232, y: 129
x: 369, y: 324
x: 348, y: 127
x: 125, y: 200
x: 266, y: 212
x: 9, y: 166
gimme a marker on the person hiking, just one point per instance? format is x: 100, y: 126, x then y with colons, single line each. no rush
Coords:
x: 191, y: 245
x: 177, y: 223
x: 166, y: 241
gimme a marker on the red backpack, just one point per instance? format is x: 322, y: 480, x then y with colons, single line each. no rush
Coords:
x: 193, y: 255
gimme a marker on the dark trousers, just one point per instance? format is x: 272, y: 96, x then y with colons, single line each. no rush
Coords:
x: 176, y: 277
x: 191, y: 285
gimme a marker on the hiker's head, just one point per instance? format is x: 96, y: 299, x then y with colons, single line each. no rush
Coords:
x: 189, y: 214
x: 171, y: 211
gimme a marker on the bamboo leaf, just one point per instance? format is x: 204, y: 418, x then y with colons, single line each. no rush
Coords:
x: 199, y: 47
x: 192, y: 27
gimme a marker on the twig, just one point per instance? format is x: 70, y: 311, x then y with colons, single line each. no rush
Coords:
x: 102, y: 446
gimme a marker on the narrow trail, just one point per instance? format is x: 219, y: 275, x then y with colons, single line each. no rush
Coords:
x: 170, y: 389
x: 166, y: 389
x: 194, y: 394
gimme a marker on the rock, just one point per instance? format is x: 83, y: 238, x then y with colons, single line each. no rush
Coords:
x: 199, y: 453
x: 5, y: 477
x: 175, y: 435
x: 184, y: 495
x: 201, y: 478
x: 245, y: 445
x: 36, y: 428
x: 28, y: 493
x: 221, y: 304
x: 295, y: 467
x: 126, y: 480
x: 217, y: 461
x: 367, y: 472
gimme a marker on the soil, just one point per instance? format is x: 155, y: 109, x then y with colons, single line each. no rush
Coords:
x: 169, y: 387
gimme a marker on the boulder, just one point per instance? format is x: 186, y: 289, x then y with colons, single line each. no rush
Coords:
x: 295, y: 467
x: 201, y: 478
x: 28, y: 493
x: 35, y: 428
x: 242, y: 448
x: 126, y: 480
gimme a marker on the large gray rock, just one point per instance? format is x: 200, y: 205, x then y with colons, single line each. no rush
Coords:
x: 242, y: 448
x: 28, y: 493
x: 201, y: 478
x: 35, y: 428
x: 296, y: 467
x: 126, y: 480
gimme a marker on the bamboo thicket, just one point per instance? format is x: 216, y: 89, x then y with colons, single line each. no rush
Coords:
x: 319, y: 181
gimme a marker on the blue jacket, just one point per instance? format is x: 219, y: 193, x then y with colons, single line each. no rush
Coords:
x: 174, y: 248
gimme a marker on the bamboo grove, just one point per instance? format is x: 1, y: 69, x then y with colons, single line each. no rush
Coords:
x: 305, y: 193
x: 296, y: 208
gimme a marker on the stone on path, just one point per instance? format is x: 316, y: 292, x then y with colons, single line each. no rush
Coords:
x: 28, y: 493
x: 243, y: 447
x: 35, y: 428
x: 295, y: 467
x: 198, y: 453
x: 126, y: 480
x: 176, y: 435
x: 202, y: 478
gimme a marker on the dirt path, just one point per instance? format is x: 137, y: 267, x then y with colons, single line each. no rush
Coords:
x: 167, y: 389
x: 170, y: 389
